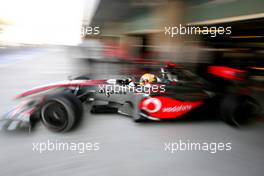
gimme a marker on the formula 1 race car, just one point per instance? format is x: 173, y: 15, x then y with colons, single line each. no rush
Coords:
x: 173, y: 93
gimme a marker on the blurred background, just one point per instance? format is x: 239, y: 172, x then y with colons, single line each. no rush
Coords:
x: 43, y: 41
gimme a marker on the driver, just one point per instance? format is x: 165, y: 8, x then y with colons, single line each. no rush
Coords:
x: 147, y: 79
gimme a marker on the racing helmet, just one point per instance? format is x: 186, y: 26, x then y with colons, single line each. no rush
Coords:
x: 130, y: 82
x: 147, y: 78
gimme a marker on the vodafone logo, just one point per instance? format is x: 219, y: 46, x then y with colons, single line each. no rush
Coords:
x: 151, y: 105
x: 165, y: 107
x: 177, y: 108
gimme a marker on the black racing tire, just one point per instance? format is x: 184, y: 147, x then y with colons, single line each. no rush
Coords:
x: 237, y: 109
x: 61, y: 112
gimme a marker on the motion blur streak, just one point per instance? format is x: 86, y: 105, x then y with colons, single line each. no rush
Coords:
x: 42, y: 21
x: 41, y: 44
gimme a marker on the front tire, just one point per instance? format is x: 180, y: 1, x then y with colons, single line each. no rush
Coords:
x: 61, y: 112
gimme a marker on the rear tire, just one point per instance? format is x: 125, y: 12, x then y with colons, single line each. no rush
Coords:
x: 238, y: 109
x: 61, y: 112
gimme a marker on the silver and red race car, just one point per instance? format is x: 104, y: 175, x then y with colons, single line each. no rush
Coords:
x: 177, y: 94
